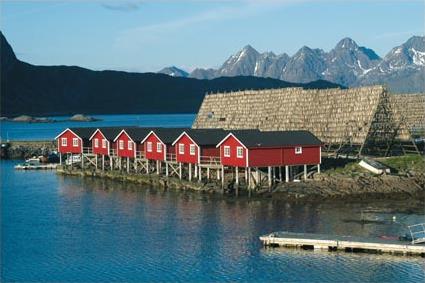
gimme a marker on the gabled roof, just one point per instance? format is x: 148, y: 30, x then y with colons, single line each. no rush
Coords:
x: 137, y: 134
x: 169, y: 135
x: 110, y: 133
x: 206, y: 136
x: 255, y: 138
x: 82, y: 132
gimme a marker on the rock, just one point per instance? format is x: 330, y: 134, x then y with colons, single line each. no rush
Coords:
x: 23, y: 118
x: 82, y: 118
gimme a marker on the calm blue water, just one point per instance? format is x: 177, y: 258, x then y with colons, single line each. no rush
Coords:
x: 48, y: 131
x: 69, y: 229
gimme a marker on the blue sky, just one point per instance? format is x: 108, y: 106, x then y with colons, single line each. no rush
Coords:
x: 148, y: 35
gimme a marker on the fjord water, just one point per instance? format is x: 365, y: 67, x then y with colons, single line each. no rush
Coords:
x: 71, y: 229
x: 48, y: 131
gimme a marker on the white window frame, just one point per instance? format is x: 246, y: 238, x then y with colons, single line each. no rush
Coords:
x: 75, y: 142
x: 149, y: 146
x: 64, y: 141
x: 181, y: 148
x: 226, y: 151
x: 239, y: 149
x: 158, y: 147
x: 129, y: 145
x: 298, y: 150
x: 96, y: 143
x: 192, y: 149
x: 103, y: 143
x: 121, y: 144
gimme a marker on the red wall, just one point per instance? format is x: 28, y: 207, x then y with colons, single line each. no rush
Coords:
x: 263, y: 157
x: 210, y: 151
x: 100, y: 149
x: 186, y: 157
x: 310, y: 155
x: 233, y: 160
x: 154, y: 154
x: 69, y: 148
x: 125, y: 152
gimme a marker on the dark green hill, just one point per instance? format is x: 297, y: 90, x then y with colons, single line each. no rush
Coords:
x: 61, y: 90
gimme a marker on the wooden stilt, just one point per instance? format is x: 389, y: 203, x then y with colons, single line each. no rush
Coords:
x: 208, y: 173
x: 96, y: 160
x: 218, y: 174
x: 222, y: 178
x: 147, y: 166
x: 157, y: 167
x: 128, y: 164
x: 246, y: 175
x: 249, y: 181
x: 190, y: 171
x: 280, y: 173
x: 60, y: 158
x: 318, y: 168
x: 287, y: 173
x: 180, y: 170
x: 200, y: 173
x: 82, y: 160
x: 103, y: 162
x: 166, y: 168
x: 269, y: 169
x: 72, y: 159
x: 111, y: 162
x: 237, y: 175
x: 258, y: 176
x: 305, y: 172
x: 196, y: 171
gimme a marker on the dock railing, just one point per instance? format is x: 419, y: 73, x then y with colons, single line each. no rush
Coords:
x: 171, y: 157
x: 417, y: 232
x: 140, y: 154
x: 87, y: 150
x: 210, y: 160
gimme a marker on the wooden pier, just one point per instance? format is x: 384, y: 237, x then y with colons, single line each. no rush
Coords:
x: 345, y: 243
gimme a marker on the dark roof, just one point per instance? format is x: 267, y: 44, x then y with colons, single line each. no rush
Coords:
x: 255, y: 138
x: 84, y: 132
x: 169, y: 135
x: 111, y: 133
x: 207, y: 136
x: 137, y: 134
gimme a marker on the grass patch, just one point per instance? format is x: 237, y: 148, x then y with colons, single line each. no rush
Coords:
x: 350, y: 169
x: 405, y: 163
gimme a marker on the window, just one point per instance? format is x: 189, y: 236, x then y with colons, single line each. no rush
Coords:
x: 96, y: 143
x: 103, y: 143
x: 130, y: 145
x: 298, y: 150
x: 121, y: 144
x: 239, y: 152
x: 64, y: 141
x: 226, y: 151
x: 149, y: 146
x: 158, y: 147
x: 192, y: 149
x: 75, y: 142
x: 181, y: 148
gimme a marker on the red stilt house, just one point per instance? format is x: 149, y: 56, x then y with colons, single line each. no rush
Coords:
x: 74, y: 140
x: 261, y: 149
x: 128, y: 140
x: 158, y: 143
x: 102, y: 140
x: 198, y: 145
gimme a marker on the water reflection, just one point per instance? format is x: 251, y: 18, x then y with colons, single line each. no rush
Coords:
x: 73, y: 229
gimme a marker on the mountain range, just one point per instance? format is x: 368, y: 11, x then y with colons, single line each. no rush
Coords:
x: 64, y: 90
x: 402, y: 69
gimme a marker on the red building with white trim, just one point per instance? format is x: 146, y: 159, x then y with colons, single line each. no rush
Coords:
x: 252, y: 148
x: 158, y: 145
x: 197, y: 145
x: 73, y: 140
x: 102, y: 140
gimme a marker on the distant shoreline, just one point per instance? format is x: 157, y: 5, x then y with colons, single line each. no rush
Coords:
x: 33, y: 119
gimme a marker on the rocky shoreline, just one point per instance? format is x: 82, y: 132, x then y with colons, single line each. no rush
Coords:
x: 26, y: 149
x: 321, y: 188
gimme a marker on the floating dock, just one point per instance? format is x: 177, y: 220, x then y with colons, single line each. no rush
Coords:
x: 345, y: 243
x: 36, y: 167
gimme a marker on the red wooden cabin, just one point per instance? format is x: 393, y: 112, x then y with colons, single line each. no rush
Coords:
x: 127, y: 142
x: 73, y: 140
x: 252, y: 148
x: 102, y: 140
x: 158, y: 144
x: 198, y: 145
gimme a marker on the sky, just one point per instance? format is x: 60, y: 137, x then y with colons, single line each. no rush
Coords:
x: 148, y: 35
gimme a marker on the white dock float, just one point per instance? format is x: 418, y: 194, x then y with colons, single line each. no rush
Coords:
x: 346, y: 243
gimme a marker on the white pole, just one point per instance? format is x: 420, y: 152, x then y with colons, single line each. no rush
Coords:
x: 128, y: 164
x: 180, y: 170
x: 190, y: 171
x: 305, y: 172
x: 269, y: 169
x: 208, y: 173
x: 166, y: 168
x: 237, y: 175
x: 287, y: 173
x: 200, y: 173
x: 103, y: 162
x: 318, y: 168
